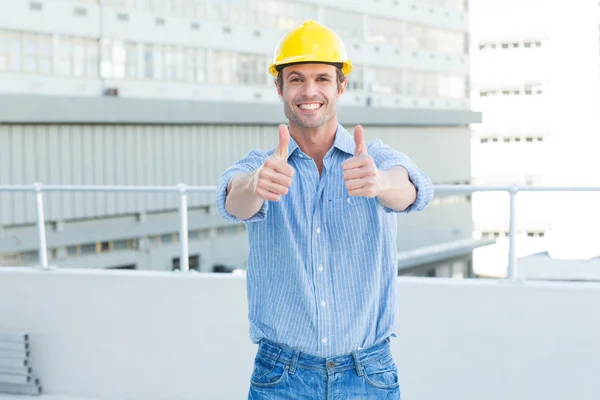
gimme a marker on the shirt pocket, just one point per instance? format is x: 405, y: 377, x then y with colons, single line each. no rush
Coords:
x: 349, y: 220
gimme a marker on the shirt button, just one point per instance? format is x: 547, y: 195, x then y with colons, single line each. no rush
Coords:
x: 324, y: 340
x: 348, y: 200
x: 318, y: 230
x: 323, y: 304
x: 320, y: 267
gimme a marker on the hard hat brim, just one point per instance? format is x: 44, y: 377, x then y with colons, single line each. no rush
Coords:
x: 346, y: 67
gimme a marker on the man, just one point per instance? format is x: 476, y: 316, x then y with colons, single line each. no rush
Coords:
x: 320, y: 213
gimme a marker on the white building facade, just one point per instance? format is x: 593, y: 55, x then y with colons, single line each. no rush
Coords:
x: 535, y: 78
x: 160, y: 92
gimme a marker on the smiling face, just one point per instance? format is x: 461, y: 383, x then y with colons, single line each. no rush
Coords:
x: 309, y: 93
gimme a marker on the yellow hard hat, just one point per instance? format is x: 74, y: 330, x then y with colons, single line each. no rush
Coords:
x: 310, y: 42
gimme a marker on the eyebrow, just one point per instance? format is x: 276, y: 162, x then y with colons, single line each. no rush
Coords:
x: 321, y: 75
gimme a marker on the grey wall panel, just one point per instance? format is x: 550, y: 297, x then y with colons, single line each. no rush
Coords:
x: 167, y: 155
x: 434, y: 225
x: 5, y: 173
x: 442, y: 153
x: 53, y: 200
x: 16, y: 137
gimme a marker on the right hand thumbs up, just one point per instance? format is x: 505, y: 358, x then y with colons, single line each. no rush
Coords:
x: 284, y: 142
x: 274, y: 177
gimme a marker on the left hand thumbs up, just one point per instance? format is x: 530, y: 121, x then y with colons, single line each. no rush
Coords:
x: 359, y: 139
x: 360, y: 172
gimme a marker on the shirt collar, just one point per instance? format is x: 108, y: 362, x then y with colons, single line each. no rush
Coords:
x: 343, y: 141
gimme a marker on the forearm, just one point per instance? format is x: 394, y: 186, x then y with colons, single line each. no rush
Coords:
x: 241, y: 201
x: 397, y: 191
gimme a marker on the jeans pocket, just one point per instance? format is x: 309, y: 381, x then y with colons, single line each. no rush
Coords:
x: 268, y: 372
x: 382, y: 373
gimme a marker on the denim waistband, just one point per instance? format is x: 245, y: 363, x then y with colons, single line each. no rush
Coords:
x: 294, y: 358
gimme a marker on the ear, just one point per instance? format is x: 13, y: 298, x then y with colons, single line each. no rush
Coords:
x: 342, y: 88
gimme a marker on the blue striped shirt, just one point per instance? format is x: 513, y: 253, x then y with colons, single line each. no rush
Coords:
x: 322, y: 264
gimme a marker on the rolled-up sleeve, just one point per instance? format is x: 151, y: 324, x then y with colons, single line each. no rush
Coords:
x: 249, y: 163
x: 386, y: 157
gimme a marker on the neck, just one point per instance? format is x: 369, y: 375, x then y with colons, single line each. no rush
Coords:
x: 315, y: 142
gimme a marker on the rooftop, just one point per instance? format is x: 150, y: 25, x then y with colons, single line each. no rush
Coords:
x: 158, y: 335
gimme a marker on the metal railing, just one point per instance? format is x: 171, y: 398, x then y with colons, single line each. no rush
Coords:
x: 182, y: 191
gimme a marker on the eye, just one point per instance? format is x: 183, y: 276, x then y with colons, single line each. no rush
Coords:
x: 295, y: 80
x: 324, y: 79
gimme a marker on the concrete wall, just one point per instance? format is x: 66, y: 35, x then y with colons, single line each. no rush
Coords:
x: 150, y: 336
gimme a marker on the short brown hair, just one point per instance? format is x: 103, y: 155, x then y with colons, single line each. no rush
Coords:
x: 339, y: 75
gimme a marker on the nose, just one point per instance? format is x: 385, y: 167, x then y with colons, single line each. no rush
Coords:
x: 309, y: 88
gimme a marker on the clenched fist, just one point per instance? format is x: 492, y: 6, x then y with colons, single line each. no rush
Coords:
x: 273, y: 179
x: 360, y: 173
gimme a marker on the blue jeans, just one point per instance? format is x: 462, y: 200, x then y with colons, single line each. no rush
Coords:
x: 281, y: 372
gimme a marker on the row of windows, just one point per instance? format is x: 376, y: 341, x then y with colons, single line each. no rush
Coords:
x: 80, y: 57
x: 395, y: 33
x: 283, y: 15
x: 510, y: 45
x: 527, y: 90
x: 438, y: 201
x: 29, y: 257
x: 185, y: 7
x: 34, y: 53
x: 515, y: 139
x: 497, y: 234
x: 416, y: 83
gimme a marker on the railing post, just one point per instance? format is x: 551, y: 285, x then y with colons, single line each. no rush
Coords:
x: 41, y: 226
x: 183, y: 228
x: 512, y: 234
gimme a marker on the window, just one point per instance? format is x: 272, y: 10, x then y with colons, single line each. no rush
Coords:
x: 88, y: 249
x: 119, y: 59
x: 154, y: 62
x: 387, y: 80
x: 129, y: 4
x: 452, y: 86
x: 199, y: 234
x: 251, y: 69
x: 347, y: 24
x: 193, y: 262
x: 435, y: 39
x: 174, y: 63
x: 195, y: 65
x: 125, y: 244
x: 77, y: 56
x: 355, y: 80
x: 126, y: 267
x: 195, y: 9
x: 422, y: 83
x: 10, y: 51
x: 167, y: 238
x: 290, y: 13
x: 232, y: 68
x: 37, y: 53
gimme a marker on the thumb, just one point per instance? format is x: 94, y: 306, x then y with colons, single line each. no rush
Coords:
x: 359, y: 139
x: 284, y: 140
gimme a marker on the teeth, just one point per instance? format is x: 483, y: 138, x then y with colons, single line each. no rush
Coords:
x: 310, y: 106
